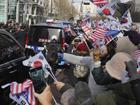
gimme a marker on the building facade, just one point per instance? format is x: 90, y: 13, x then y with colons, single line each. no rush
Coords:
x: 22, y: 11
x: 88, y: 8
x: 84, y: 7
x: 3, y: 11
x: 11, y: 9
x: 32, y: 11
x: 137, y: 5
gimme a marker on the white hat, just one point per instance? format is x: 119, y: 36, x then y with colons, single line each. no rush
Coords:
x: 116, y: 66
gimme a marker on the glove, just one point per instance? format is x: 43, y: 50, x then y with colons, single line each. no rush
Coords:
x: 131, y: 67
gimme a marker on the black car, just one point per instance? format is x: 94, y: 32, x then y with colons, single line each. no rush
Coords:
x: 11, y: 68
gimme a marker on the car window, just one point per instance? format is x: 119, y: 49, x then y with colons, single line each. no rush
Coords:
x: 39, y: 35
x: 9, y: 50
x: 54, y: 32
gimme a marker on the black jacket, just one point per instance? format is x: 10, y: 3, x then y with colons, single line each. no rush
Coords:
x: 133, y: 36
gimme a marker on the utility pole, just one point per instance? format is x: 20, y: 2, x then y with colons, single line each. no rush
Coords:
x: 81, y: 8
x: 6, y: 11
x: 17, y: 11
x: 72, y: 7
x: 51, y: 8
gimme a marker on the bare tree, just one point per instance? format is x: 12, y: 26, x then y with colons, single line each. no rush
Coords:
x: 46, y: 9
x: 65, y: 10
x: 60, y: 9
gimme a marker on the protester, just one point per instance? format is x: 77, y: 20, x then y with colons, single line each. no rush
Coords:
x: 108, y: 51
x: 121, y: 94
x: 103, y: 77
x: 133, y: 34
x: 80, y: 47
x: 83, y: 64
x: 99, y: 75
x: 21, y: 35
x: 105, y: 52
x: 112, y: 70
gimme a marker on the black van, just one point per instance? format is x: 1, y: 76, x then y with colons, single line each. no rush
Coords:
x: 40, y: 35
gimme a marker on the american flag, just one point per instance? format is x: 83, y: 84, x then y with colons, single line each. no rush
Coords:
x: 85, y: 19
x: 70, y: 30
x: 86, y: 29
x: 26, y: 86
x: 98, y: 34
x: 108, y: 39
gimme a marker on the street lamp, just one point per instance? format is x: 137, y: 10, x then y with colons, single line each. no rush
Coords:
x: 81, y: 8
x: 51, y: 8
x: 72, y: 7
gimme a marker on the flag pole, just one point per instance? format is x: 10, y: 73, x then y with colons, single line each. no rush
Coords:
x: 86, y: 43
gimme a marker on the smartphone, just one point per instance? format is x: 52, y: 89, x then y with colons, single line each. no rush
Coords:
x: 38, y: 78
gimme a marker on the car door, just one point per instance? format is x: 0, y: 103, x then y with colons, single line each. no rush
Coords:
x: 11, y: 55
x: 11, y: 68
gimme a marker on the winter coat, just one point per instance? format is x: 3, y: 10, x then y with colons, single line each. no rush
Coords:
x: 120, y: 94
x: 88, y: 62
x: 134, y: 36
x: 79, y: 95
x: 102, y: 77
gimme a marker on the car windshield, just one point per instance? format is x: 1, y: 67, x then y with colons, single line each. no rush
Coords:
x: 39, y: 35
x: 9, y: 49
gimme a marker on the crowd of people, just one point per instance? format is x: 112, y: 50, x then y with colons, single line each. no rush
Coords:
x: 104, y: 76
x: 99, y: 76
x: 19, y: 31
x: 96, y: 72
